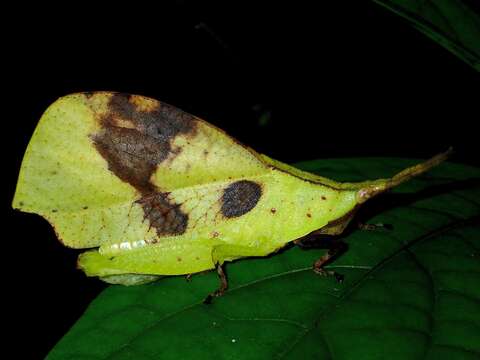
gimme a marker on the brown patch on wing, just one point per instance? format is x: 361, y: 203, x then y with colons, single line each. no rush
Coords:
x: 135, y: 137
x: 131, y: 155
x: 135, y: 142
x: 165, y: 217
x: 240, y: 197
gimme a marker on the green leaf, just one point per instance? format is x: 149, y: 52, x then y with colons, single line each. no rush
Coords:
x: 408, y: 293
x: 451, y: 23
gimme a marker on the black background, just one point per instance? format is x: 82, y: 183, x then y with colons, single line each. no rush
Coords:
x: 346, y: 79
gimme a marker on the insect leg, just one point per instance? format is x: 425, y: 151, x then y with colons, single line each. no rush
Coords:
x: 334, y: 245
x: 223, y: 285
x: 230, y: 252
x: 337, y: 247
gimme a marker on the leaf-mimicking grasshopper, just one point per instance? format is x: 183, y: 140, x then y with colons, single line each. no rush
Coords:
x: 151, y: 190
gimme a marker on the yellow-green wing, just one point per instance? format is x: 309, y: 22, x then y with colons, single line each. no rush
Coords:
x: 101, y: 166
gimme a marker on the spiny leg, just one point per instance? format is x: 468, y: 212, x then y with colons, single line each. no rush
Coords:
x: 223, y: 281
x: 227, y: 252
x: 221, y: 289
x: 335, y: 248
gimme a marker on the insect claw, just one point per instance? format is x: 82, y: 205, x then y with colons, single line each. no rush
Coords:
x: 374, y: 227
x: 208, y: 299
x: 339, y: 277
x: 322, y: 272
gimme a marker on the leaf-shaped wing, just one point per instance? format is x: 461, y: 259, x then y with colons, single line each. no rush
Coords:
x: 99, y: 163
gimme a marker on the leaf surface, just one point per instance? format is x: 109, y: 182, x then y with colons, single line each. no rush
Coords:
x: 453, y: 24
x: 408, y: 293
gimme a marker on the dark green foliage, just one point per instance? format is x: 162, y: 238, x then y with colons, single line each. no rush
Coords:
x: 408, y: 293
x: 454, y: 24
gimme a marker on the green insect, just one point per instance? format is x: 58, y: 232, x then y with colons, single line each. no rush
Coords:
x: 152, y: 190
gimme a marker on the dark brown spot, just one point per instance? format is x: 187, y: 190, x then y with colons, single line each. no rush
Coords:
x: 179, y: 259
x: 324, y: 198
x: 309, y: 215
x: 85, y: 207
x: 165, y: 217
x: 215, y: 234
x: 273, y: 210
x: 240, y: 197
x: 54, y: 210
x: 134, y: 142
